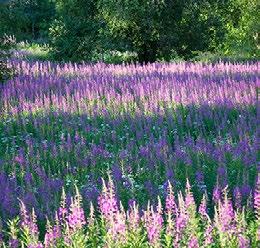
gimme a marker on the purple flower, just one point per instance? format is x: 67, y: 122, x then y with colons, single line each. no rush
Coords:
x: 225, y: 216
x: 149, y: 186
x: 38, y: 245
x: 238, y: 197
x: 193, y: 242
x: 153, y: 223
x: 14, y: 243
x: 118, y: 227
x: 133, y: 217
x: 123, y: 154
x: 115, y: 219
x: 76, y: 219
x: 189, y: 199
x: 131, y: 203
x: 170, y: 204
x: 257, y: 197
x: 117, y: 173
x: 28, y: 222
x: 20, y: 159
x: 90, y: 192
x: 29, y: 226
x: 216, y: 194
x: 107, y: 201
x: 28, y: 178
x: 243, y: 242
x: 181, y: 220
x: 245, y: 190
x: 199, y: 177
x: 169, y: 173
x: 51, y: 236
x: 208, y: 235
x: 203, y: 208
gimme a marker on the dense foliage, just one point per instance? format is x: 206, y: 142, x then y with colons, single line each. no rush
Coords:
x: 74, y: 35
x: 67, y: 124
x: 26, y: 19
x: 7, y: 43
x: 153, y: 29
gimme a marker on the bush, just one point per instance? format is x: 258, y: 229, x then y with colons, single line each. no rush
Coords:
x: 32, y: 51
x: 6, y: 43
x: 74, y: 33
x: 114, y: 57
x: 211, y: 57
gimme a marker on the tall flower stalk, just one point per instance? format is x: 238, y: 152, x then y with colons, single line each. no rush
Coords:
x: 180, y: 223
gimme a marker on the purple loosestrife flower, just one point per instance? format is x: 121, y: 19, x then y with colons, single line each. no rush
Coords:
x: 90, y: 192
x: 227, y: 215
x: 216, y: 194
x: 225, y: 220
x: 222, y: 175
x: 131, y: 203
x: 181, y: 220
x: 208, y: 236
x: 200, y: 181
x: 91, y: 218
x: 245, y: 190
x: 14, y: 243
x: 63, y: 211
x: 257, y: 205
x: 170, y: 204
x: 38, y: 245
x: 52, y: 234
x: 107, y: 201
x: 29, y: 227
x: 115, y: 219
x: 169, y: 173
x: 203, y: 208
x: 28, y: 178
x: 28, y: 222
x: 237, y: 197
x: 123, y: 154
x: 153, y: 223
x: 118, y: 228
x: 243, y: 242
x: 257, y: 198
x: 193, y: 242
x: 76, y: 219
x: 133, y: 217
x: 19, y: 159
x: 189, y: 199
x: 171, y: 209
x: 117, y: 173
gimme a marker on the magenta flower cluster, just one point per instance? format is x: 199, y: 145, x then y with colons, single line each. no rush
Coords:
x: 177, y: 224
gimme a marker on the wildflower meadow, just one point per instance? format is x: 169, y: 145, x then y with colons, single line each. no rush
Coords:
x: 131, y: 155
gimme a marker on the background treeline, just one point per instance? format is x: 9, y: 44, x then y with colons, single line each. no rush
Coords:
x: 143, y: 30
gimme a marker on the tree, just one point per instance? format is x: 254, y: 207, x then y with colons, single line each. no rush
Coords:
x: 26, y: 19
x: 148, y: 27
x: 75, y: 31
x: 242, y: 36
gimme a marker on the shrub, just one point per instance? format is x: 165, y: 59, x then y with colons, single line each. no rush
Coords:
x: 6, y: 43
